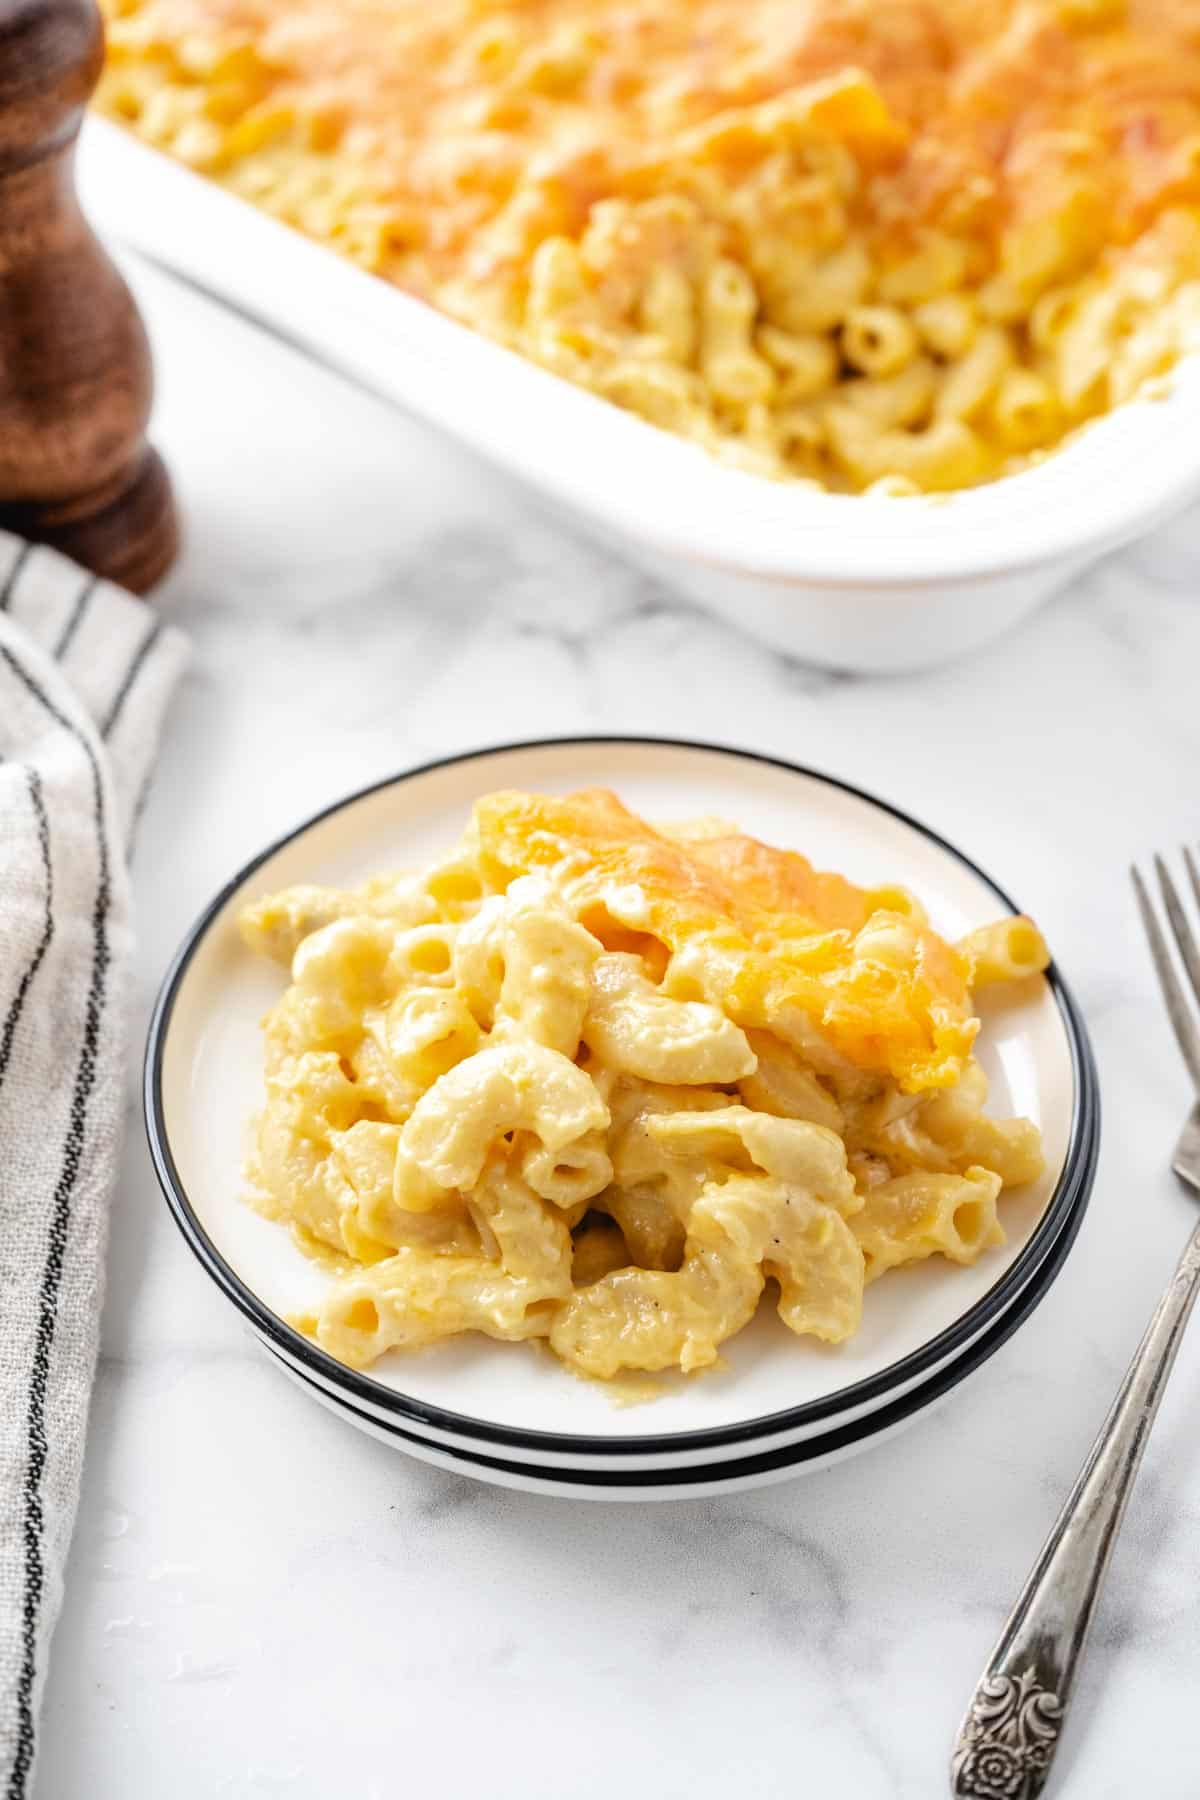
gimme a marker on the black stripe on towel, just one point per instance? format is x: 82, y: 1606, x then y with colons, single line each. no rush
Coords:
x: 73, y: 1148
x: 14, y: 575
x: 131, y: 674
x: 13, y: 1016
x: 76, y: 619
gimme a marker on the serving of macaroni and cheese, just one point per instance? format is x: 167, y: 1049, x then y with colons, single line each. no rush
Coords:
x: 906, y: 246
x: 597, y: 1084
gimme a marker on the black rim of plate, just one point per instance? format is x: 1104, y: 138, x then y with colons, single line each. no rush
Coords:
x: 787, y: 1456
x: 1069, y: 1198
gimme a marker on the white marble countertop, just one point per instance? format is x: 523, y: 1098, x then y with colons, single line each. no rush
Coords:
x: 263, y: 1603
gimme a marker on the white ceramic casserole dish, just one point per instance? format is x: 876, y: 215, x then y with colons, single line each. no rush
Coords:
x: 868, y: 584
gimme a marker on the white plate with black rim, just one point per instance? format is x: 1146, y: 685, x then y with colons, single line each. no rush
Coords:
x: 513, y: 1403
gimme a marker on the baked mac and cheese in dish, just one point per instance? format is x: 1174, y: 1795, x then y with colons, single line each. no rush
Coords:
x: 908, y: 245
x: 598, y: 1084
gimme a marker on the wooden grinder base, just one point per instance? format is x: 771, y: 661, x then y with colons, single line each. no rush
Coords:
x: 75, y: 375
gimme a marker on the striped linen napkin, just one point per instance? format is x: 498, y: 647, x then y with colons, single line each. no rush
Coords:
x: 85, y: 675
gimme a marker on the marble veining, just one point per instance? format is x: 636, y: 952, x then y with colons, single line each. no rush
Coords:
x: 263, y: 1605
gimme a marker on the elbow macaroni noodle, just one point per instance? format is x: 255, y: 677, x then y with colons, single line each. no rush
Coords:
x: 596, y: 1084
x: 906, y: 247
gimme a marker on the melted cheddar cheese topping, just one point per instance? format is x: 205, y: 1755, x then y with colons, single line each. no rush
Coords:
x: 754, y: 930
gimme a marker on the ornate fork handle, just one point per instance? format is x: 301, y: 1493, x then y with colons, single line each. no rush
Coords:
x: 1007, y: 1740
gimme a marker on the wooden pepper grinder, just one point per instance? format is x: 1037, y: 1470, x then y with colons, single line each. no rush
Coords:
x: 75, y: 374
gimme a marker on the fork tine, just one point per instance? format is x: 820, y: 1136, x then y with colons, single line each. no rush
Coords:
x: 1179, y: 925
x: 1186, y: 1033
x: 1193, y: 874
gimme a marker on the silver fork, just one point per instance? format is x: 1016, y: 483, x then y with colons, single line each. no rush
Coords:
x: 1007, y: 1740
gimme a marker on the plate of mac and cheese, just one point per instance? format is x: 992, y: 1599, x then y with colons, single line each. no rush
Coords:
x: 710, y: 274
x: 542, y: 1081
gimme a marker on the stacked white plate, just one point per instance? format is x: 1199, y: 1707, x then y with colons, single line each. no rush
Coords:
x: 511, y: 1414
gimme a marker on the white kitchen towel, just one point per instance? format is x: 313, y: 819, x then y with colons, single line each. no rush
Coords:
x: 86, y: 672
